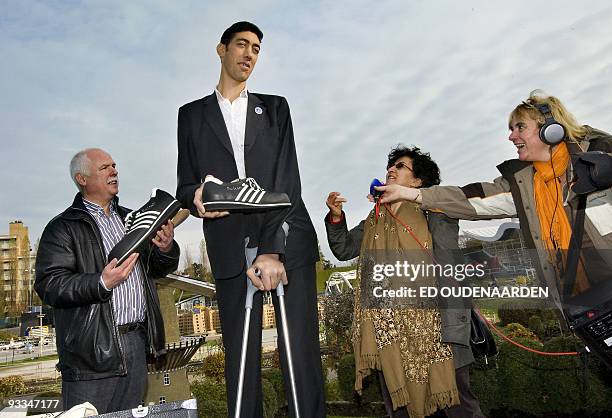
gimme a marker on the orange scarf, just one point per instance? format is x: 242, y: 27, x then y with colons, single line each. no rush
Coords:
x: 556, y: 231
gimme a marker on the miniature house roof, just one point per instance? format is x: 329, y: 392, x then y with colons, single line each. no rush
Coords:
x: 187, y: 284
x: 494, y: 232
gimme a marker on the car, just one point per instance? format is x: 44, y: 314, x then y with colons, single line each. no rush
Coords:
x: 18, y: 344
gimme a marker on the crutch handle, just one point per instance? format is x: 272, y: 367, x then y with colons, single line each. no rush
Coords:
x: 280, y: 289
x: 251, y: 290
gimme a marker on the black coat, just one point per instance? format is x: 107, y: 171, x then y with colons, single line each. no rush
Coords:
x: 204, y: 147
x: 69, y: 264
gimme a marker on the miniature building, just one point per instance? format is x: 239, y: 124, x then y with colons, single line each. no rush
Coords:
x: 201, y: 321
x: 268, y: 320
x: 504, y: 243
x: 167, y: 377
x: 16, y: 270
x: 185, y: 323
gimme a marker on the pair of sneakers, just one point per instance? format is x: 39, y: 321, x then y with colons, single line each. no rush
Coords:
x: 142, y: 225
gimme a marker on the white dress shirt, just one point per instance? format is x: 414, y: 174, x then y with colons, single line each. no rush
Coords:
x: 234, y: 115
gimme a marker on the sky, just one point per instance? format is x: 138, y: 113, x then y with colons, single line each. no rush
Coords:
x: 360, y: 77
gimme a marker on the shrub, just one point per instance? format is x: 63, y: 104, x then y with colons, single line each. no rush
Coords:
x: 537, y: 326
x: 519, y: 381
x: 214, y: 366
x: 515, y: 330
x: 519, y: 311
x: 575, y: 388
x: 526, y: 383
x: 346, y: 377
x: 552, y: 329
x: 270, y: 404
x: 275, y: 377
x: 11, y: 386
x: 276, y: 362
x: 332, y: 390
x: 337, y: 321
x: 521, y: 280
x: 6, y: 336
x: 484, y: 384
x: 371, y: 389
x: 346, y: 382
x: 211, y: 396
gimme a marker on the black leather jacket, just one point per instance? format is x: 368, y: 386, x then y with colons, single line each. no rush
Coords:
x: 69, y: 263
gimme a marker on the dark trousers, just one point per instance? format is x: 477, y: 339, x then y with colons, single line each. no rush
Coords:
x: 468, y: 408
x: 114, y: 393
x: 303, y: 325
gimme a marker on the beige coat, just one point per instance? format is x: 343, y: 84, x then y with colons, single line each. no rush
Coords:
x: 512, y: 195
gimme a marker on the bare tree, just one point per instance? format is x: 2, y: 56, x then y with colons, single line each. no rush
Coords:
x: 204, y: 255
x: 188, y: 258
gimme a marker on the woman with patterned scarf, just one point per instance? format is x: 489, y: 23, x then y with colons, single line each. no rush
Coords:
x: 538, y: 187
x: 400, y: 339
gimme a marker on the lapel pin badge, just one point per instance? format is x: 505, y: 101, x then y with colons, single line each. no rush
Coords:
x: 258, y: 110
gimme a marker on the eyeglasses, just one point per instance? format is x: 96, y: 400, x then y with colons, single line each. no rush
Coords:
x: 399, y: 165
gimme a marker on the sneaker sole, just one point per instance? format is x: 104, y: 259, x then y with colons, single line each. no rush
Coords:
x: 217, y: 206
x: 156, y: 225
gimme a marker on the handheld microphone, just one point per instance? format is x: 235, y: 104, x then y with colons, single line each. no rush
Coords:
x: 376, y: 193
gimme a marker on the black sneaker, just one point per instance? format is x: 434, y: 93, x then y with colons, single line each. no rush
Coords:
x: 141, y: 225
x: 241, y: 195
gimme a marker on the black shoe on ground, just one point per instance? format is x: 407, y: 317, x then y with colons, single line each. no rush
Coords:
x: 141, y: 225
x: 240, y: 195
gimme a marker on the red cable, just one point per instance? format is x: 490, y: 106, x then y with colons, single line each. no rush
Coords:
x: 498, y: 332
x: 424, y: 248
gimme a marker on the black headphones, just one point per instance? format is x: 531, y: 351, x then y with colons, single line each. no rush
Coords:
x: 552, y: 132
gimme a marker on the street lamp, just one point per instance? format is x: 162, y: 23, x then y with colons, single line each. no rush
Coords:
x: 28, y: 273
x: 40, y: 344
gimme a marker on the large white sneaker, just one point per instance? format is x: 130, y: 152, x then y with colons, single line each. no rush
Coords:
x: 240, y: 195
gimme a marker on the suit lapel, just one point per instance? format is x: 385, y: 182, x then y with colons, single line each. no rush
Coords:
x: 256, y: 121
x: 214, y: 117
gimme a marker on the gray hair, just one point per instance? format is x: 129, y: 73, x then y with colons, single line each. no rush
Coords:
x: 80, y: 164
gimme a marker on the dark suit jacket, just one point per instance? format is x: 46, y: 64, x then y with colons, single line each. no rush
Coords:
x: 204, y: 147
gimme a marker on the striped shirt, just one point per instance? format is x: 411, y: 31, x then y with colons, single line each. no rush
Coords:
x: 128, y: 298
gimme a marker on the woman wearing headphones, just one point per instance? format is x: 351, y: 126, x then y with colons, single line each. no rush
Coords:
x: 537, y: 187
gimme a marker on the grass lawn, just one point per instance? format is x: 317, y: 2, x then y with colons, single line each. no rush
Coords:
x: 29, y: 360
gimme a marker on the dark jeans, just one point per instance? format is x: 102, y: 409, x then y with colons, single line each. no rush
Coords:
x: 114, y: 393
x: 303, y: 324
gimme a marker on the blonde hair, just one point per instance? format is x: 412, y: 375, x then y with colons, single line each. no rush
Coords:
x: 527, y: 109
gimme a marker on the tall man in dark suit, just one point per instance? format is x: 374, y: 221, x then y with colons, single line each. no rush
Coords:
x: 230, y: 134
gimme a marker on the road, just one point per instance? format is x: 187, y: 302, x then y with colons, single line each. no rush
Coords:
x: 33, y: 370
x: 46, y: 369
x: 9, y: 356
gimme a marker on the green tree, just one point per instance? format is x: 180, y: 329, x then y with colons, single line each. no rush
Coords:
x: 323, y: 263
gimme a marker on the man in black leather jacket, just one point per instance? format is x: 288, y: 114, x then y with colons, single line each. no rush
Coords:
x: 106, y: 316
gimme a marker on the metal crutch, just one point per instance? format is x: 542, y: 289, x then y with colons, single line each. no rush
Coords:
x: 280, y: 292
x: 250, y: 254
x: 251, y: 289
